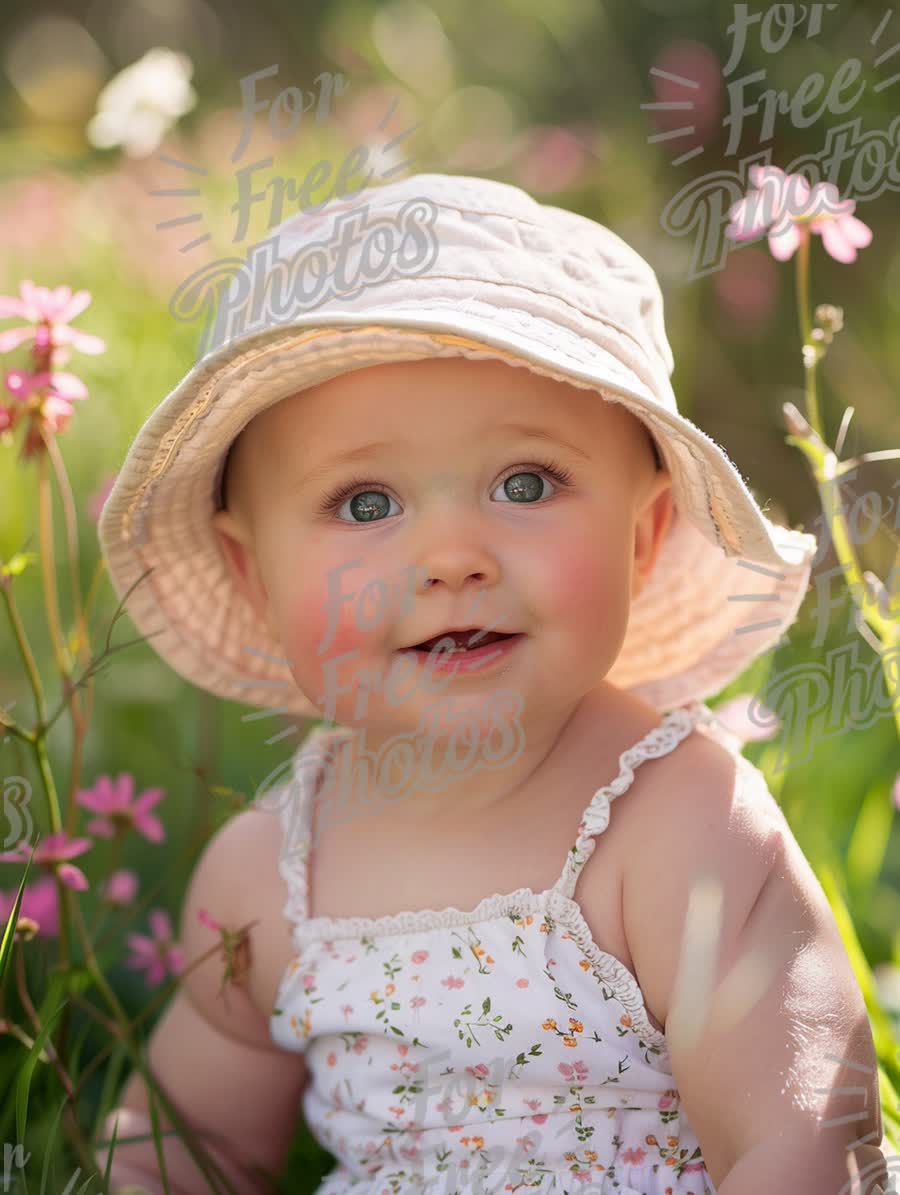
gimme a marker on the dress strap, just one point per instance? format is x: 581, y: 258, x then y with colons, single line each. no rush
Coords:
x: 293, y: 800
x: 675, y: 726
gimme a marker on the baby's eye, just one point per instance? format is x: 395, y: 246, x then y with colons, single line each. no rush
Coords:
x: 368, y: 502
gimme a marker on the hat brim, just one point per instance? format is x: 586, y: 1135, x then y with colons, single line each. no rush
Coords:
x: 726, y: 584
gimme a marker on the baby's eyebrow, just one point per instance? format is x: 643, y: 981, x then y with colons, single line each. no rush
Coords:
x: 363, y: 451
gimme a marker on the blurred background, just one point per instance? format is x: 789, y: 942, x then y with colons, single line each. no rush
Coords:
x: 103, y: 105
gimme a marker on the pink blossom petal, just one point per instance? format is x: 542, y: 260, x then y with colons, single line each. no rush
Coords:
x: 72, y: 877
x: 156, y: 973
x: 68, y: 385
x: 150, y: 826
x: 83, y: 341
x: 160, y: 924
x: 10, y: 307
x: 784, y: 244
x: 95, y: 798
x: 149, y: 799
x: 56, y: 412
x: 834, y: 241
x: 140, y: 945
x: 102, y: 827
x: 175, y: 959
x: 121, y: 887
x: 63, y: 847
x: 855, y: 231
x: 122, y: 791
x: 69, y: 311
x: 32, y: 300
x: 13, y: 337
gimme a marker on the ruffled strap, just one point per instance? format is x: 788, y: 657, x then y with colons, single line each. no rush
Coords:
x: 293, y: 800
x: 676, y: 725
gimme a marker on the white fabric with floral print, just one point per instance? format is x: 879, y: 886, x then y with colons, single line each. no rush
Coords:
x: 490, y: 1050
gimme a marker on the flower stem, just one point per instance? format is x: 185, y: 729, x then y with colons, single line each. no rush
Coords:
x: 211, y: 1170
x: 825, y: 466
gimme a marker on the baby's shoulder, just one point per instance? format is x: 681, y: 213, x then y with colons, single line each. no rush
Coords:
x: 237, y: 881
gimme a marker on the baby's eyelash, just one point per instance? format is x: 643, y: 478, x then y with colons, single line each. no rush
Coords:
x: 559, y: 473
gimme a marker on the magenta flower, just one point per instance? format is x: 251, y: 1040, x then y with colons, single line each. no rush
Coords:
x: 114, y: 801
x: 54, y: 854
x: 39, y: 902
x: 784, y: 206
x: 158, y: 955
x: 48, y: 314
x: 121, y: 888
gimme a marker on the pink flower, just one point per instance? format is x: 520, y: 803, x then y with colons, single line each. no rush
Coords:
x: 633, y: 1157
x: 741, y: 716
x: 97, y: 500
x: 896, y: 792
x: 452, y: 981
x: 39, y: 902
x: 784, y: 206
x: 48, y: 314
x: 158, y: 955
x: 119, y: 811
x: 577, y: 1071
x: 209, y: 921
x: 521, y: 983
x: 54, y: 854
x: 419, y: 956
x: 121, y: 888
x: 417, y: 1002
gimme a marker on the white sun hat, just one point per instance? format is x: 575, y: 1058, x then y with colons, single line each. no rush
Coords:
x: 442, y: 266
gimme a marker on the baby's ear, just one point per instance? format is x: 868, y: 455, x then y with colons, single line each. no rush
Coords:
x: 236, y: 543
x: 651, y: 527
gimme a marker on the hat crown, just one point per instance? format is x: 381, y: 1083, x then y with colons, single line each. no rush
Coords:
x: 459, y: 243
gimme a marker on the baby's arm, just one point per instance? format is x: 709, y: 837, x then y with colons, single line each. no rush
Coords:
x: 219, y: 1067
x: 768, y: 1035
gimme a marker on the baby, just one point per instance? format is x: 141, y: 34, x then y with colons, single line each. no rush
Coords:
x: 451, y: 515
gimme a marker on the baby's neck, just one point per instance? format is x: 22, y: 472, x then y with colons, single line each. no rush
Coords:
x: 437, y: 778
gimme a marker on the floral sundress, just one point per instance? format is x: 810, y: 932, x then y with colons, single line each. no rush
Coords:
x: 491, y: 1050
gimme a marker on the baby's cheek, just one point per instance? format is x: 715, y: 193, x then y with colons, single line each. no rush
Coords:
x: 582, y: 581
x: 327, y: 626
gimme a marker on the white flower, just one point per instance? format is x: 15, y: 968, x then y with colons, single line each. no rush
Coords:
x: 140, y: 104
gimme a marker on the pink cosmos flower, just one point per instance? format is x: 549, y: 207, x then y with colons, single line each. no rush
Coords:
x: 48, y: 314
x: 157, y: 955
x: 54, y: 854
x: 119, y: 810
x: 896, y: 792
x: 121, y: 888
x: 39, y: 902
x: 787, y: 208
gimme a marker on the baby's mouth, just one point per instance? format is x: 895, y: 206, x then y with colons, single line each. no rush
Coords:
x: 470, y: 639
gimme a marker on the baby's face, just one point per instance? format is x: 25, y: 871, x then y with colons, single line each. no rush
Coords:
x: 453, y: 492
